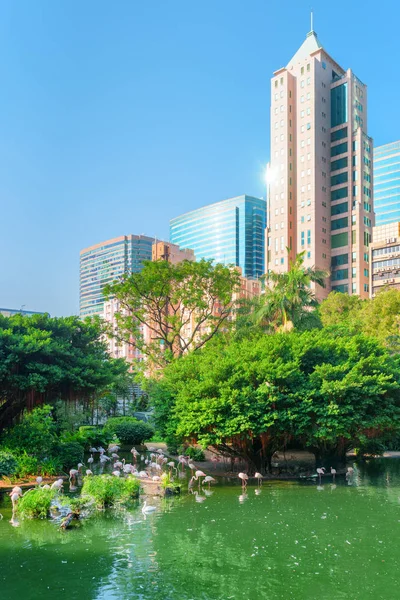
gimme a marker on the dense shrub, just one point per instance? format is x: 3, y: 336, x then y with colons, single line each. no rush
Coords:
x: 35, y: 503
x: 27, y: 465
x: 129, y: 430
x: 8, y: 464
x: 107, y: 490
x: 69, y: 454
x: 194, y: 453
x: 36, y: 433
x: 88, y: 436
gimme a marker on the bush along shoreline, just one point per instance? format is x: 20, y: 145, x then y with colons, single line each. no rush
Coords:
x: 98, y: 493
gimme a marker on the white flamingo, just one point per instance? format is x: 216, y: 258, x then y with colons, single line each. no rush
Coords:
x: 39, y: 480
x: 90, y: 460
x: 208, y: 479
x: 320, y: 472
x: 89, y: 472
x: 57, y: 485
x: 116, y: 473
x: 244, y: 477
x: 259, y: 477
x: 15, y: 495
x: 72, y: 475
x: 333, y: 473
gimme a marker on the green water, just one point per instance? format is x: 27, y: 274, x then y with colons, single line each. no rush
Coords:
x: 290, y: 541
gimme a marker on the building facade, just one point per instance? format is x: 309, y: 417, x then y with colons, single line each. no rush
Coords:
x: 171, y: 253
x: 387, y: 183
x: 320, y: 183
x: 10, y: 312
x: 104, y: 263
x: 230, y: 232
x: 385, y: 257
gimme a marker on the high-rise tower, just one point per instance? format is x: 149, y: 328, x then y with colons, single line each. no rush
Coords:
x: 320, y: 171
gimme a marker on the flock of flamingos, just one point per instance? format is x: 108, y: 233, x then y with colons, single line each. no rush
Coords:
x: 152, y: 466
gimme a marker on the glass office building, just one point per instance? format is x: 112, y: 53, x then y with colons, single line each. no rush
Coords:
x: 229, y: 232
x: 387, y: 183
x: 104, y: 263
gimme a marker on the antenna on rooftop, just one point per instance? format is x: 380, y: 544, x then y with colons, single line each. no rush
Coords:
x: 312, y: 20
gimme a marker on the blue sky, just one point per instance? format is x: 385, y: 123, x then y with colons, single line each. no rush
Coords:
x: 117, y: 116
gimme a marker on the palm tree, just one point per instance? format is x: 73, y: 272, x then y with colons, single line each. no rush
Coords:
x: 288, y: 298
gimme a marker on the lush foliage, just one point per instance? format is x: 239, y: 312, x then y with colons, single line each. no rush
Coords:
x: 8, y: 464
x: 379, y: 317
x: 89, y: 435
x: 183, y: 305
x: 36, y: 433
x: 69, y: 454
x: 195, y: 454
x: 129, y: 430
x: 35, y: 503
x: 43, y: 359
x: 324, y: 390
x: 107, y: 490
x: 288, y: 297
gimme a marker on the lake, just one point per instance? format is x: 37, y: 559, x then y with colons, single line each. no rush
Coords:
x: 284, y: 540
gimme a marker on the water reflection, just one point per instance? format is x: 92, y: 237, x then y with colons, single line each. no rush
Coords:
x: 288, y: 542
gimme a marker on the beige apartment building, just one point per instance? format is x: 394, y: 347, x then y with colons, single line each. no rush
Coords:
x: 320, y: 171
x: 385, y: 258
x: 171, y: 252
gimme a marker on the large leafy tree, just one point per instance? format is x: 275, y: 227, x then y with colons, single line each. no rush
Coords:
x: 288, y: 297
x: 44, y: 359
x: 379, y: 317
x: 182, y: 305
x: 327, y: 391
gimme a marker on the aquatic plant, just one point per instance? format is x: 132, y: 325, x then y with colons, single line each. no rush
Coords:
x: 107, y: 490
x: 35, y: 503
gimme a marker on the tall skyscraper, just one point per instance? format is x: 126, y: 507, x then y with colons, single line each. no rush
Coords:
x: 320, y: 171
x: 229, y: 232
x: 387, y: 183
x: 104, y: 263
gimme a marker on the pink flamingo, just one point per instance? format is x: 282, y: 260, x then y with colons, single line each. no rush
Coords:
x: 321, y: 471
x: 198, y: 475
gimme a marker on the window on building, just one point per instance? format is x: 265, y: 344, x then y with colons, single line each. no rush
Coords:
x: 340, y: 239
x: 302, y: 70
x: 339, y: 134
x: 339, y: 105
x: 341, y: 163
x: 338, y: 209
x: 339, y: 149
x: 340, y: 274
x: 302, y: 238
x: 302, y: 219
x: 308, y: 237
x: 340, y: 178
x: 340, y: 223
x: 340, y: 259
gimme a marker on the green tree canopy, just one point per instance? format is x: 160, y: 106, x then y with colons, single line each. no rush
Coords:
x: 379, y: 316
x: 326, y: 390
x: 43, y: 359
x: 183, y: 305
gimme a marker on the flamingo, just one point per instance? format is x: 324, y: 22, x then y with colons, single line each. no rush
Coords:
x: 198, y: 475
x: 57, y: 485
x: 72, y: 475
x: 208, y: 479
x: 114, y: 455
x: 90, y: 460
x: 333, y: 472
x: 80, y: 465
x: 39, y: 480
x: 156, y: 478
x: 244, y: 477
x: 116, y: 473
x: 259, y: 477
x: 92, y: 450
x: 89, y: 472
x: 15, y: 495
x: 320, y: 472
x: 148, y: 509
x: 192, y: 467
